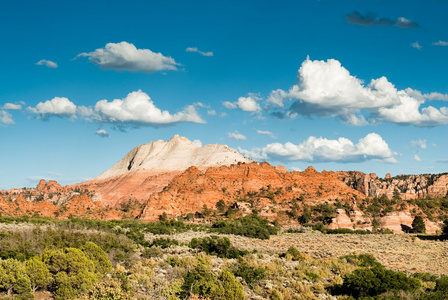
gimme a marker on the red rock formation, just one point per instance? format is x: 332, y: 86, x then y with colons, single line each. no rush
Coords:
x: 50, y: 187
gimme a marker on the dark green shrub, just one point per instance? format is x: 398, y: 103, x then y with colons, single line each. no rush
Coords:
x: 164, y: 243
x: 250, y: 273
x: 362, y: 260
x: 371, y: 282
x: 218, y: 246
x: 250, y: 226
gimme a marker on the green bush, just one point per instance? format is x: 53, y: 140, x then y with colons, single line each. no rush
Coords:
x: 164, y: 243
x: 215, y: 245
x: 250, y: 273
x: 293, y: 253
x: 201, y: 281
x: 371, y: 282
x: 250, y: 226
x: 362, y: 260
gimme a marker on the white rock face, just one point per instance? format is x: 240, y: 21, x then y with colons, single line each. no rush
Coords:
x: 178, y: 154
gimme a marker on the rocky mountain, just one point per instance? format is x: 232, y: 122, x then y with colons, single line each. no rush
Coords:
x: 408, y: 186
x: 148, y: 168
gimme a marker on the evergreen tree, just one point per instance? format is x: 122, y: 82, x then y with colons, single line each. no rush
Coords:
x: 418, y: 225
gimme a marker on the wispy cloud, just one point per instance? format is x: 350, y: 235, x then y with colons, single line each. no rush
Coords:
x: 371, y: 147
x: 47, y: 63
x: 11, y: 106
x: 125, y: 56
x: 268, y: 133
x: 196, y: 50
x: 102, y: 133
x: 236, y: 136
x: 416, y: 45
x: 419, y: 144
x: 6, y: 118
x: 440, y: 43
x: 370, y: 19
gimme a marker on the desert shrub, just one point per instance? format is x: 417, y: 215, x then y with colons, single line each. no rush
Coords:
x: 38, y: 273
x: 293, y: 254
x: 164, y: 243
x: 250, y: 273
x: 214, y: 245
x: 201, y: 281
x: 370, y: 282
x: 361, y: 260
x: 13, y: 278
x: 151, y: 252
x: 250, y: 226
x: 98, y: 257
x: 74, y: 270
x: 107, y: 289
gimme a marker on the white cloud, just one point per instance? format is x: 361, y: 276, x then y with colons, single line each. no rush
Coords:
x: 236, y: 136
x: 211, y: 112
x: 416, y: 45
x: 371, y: 147
x: 12, y: 106
x: 419, y: 144
x: 417, y: 158
x: 125, y: 56
x: 47, y: 63
x: 138, y: 109
x: 58, y: 107
x: 248, y: 104
x: 436, y: 96
x: 440, y: 43
x: 194, y: 49
x: 327, y: 89
x: 6, y: 118
x: 197, y: 143
x: 102, y: 133
x: 268, y: 133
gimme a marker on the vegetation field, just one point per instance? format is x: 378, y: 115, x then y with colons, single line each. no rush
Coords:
x: 245, y: 258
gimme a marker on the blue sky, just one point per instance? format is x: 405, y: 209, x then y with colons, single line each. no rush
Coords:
x: 340, y: 85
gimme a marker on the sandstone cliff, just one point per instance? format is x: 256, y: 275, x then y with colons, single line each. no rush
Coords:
x: 409, y: 186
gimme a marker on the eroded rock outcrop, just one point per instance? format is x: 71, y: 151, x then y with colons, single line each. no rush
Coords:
x: 408, y: 186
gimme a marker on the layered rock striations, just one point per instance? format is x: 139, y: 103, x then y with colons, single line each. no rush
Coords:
x: 409, y: 186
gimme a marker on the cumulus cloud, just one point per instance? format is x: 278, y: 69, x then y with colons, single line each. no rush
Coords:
x: 211, y: 112
x: 57, y: 107
x: 371, y: 147
x: 370, y: 19
x: 196, y: 50
x: 137, y: 109
x: 125, y: 56
x: 236, y: 136
x: 268, y: 133
x: 47, y: 63
x: 6, y: 118
x: 436, y: 96
x: 12, y: 106
x: 419, y: 144
x: 416, y: 45
x: 417, y: 158
x: 102, y: 133
x: 440, y: 43
x: 248, y: 104
x: 327, y: 89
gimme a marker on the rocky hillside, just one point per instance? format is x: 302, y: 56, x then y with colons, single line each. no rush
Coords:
x: 148, y: 168
x: 408, y: 186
